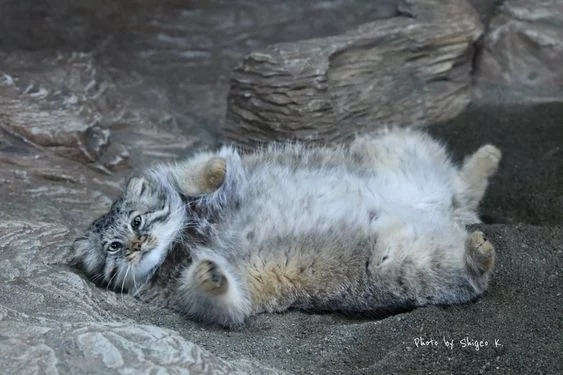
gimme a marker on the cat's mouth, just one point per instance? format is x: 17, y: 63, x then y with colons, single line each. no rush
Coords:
x: 138, y: 247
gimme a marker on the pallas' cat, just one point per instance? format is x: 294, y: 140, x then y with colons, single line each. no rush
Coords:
x: 376, y: 225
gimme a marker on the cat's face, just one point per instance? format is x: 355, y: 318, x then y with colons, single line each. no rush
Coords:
x: 122, y: 247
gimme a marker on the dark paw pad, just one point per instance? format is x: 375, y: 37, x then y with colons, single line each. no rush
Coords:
x: 214, y: 175
x: 210, y: 277
x: 481, y: 252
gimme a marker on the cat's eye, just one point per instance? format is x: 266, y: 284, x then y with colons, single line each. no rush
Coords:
x: 137, y: 221
x: 115, y: 246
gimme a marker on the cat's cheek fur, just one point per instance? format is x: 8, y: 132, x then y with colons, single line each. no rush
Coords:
x: 227, y: 309
x: 90, y: 259
x: 165, y: 233
x: 165, y: 236
x: 152, y: 260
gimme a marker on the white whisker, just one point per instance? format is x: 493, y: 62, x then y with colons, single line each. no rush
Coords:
x: 123, y: 281
x: 97, y: 277
x: 145, y: 283
x: 134, y: 284
x: 110, y: 280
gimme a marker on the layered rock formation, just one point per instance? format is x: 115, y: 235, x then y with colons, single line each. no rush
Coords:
x: 524, y: 47
x: 414, y: 68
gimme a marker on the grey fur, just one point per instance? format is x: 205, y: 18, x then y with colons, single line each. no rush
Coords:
x: 372, y: 227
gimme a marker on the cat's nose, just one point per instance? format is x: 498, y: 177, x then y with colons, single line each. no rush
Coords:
x: 137, y: 242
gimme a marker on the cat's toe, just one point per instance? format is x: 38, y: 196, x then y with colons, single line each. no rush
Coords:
x: 481, y: 253
x: 215, y: 171
x: 210, y: 277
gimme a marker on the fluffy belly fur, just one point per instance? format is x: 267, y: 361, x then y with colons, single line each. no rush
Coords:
x: 372, y: 227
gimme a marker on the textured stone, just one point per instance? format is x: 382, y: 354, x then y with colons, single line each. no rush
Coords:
x: 524, y: 47
x: 57, y: 107
x: 61, y: 133
x: 103, y: 348
x: 413, y: 69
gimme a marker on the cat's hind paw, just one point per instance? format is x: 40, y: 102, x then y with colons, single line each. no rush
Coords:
x: 210, y: 278
x: 480, y: 253
x: 485, y: 161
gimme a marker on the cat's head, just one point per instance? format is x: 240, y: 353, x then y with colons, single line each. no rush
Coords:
x: 123, y: 247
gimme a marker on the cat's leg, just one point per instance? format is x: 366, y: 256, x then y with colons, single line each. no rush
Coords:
x: 475, y: 173
x: 371, y: 151
x: 210, y: 278
x: 459, y: 283
x: 214, y: 180
x: 211, y: 290
x: 422, y: 267
x: 202, y: 174
x: 400, y: 148
x: 479, y: 259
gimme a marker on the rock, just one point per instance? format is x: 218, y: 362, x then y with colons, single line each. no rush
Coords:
x: 102, y: 348
x: 523, y: 47
x: 485, y: 8
x: 58, y: 106
x: 413, y: 69
x: 62, y: 133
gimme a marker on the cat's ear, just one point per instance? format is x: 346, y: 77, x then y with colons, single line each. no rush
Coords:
x: 136, y: 186
x: 80, y: 247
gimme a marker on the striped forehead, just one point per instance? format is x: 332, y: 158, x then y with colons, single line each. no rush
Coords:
x: 119, y: 228
x: 142, y: 193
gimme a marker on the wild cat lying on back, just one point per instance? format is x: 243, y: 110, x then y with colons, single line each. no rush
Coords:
x: 374, y: 226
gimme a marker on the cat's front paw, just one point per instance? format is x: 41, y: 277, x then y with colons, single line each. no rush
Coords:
x: 210, y: 277
x: 214, y: 173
